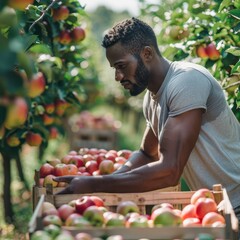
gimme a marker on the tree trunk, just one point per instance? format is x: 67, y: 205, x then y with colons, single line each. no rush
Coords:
x: 20, y: 171
x: 8, y: 211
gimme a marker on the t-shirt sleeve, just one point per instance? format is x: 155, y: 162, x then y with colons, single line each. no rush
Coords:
x: 189, y: 90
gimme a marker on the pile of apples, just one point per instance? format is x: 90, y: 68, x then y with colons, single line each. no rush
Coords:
x: 90, y: 211
x: 85, y: 162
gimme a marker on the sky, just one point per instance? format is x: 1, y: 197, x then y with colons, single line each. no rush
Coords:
x: 117, y: 5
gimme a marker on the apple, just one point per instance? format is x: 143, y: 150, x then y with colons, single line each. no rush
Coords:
x: 91, y: 166
x: 60, y: 13
x: 165, y: 217
x: 64, y: 38
x: 121, y: 160
x: 114, y: 220
x: 106, y: 167
x: 72, y: 169
x: 83, y: 151
x: 73, y: 153
x: 124, y: 153
x: 110, y: 156
x: 82, y: 169
x: 191, y: 222
x: 83, y: 203
x: 52, y: 219
x: 201, y: 51
x: 61, y: 169
x: 54, y: 162
x: 66, y: 159
x: 210, y: 218
x: 19, y: 4
x: 13, y: 141
x: 162, y: 205
x: 60, y: 104
x: 174, y: 32
x: 47, y: 205
x: 49, y: 108
x: 94, y: 215
x: 212, y: 51
x: 96, y: 173
x: 53, y: 133
x: 83, y: 236
x: 49, y: 180
x: 88, y: 157
x: 45, y: 170
x: 97, y: 200
x: 77, y: 34
x: 36, y: 86
x: 33, y: 139
x: 137, y: 221
x: 62, y: 184
x: 77, y: 160
x: 117, y: 166
x: 188, y: 212
x: 65, y: 211
x: 52, y: 230
x: 17, y: 113
x: 125, y: 207
x: 64, y: 235
x: 40, y: 235
x: 47, y: 119
x: 100, y: 157
x: 202, y: 192
x: 77, y: 220
x: 50, y: 211
x: 204, y: 206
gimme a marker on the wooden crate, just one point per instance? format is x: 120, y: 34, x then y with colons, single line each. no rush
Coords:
x: 93, y: 138
x: 37, y: 191
x: 143, y: 200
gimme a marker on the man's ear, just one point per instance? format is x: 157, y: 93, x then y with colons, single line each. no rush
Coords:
x: 147, y: 53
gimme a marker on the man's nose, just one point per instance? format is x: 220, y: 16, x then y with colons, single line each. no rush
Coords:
x: 118, y: 75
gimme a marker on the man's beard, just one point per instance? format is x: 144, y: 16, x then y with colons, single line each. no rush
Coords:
x: 142, y: 75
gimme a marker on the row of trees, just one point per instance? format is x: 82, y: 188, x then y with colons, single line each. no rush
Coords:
x: 46, y: 73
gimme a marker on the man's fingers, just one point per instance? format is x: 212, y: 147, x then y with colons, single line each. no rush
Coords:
x: 66, y: 179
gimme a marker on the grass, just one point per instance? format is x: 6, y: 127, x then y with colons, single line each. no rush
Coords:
x: 128, y: 138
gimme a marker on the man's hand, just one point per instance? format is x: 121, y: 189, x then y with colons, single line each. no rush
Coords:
x: 77, y: 184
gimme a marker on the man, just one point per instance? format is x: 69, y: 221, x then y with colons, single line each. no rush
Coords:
x: 191, y: 131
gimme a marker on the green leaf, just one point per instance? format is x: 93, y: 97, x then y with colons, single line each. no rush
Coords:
x: 40, y: 48
x: 235, y: 13
x: 234, y: 51
x: 224, y: 4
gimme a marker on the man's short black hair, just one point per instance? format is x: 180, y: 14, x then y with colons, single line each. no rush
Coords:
x: 133, y: 34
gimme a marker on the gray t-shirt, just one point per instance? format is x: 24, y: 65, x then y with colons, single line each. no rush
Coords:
x: 216, y: 155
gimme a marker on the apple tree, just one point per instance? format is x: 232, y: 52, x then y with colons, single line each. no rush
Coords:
x: 205, y: 32
x: 44, y: 69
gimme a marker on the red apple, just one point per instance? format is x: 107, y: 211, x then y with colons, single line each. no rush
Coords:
x: 60, y: 104
x: 72, y: 169
x: 36, y: 85
x: 203, y: 192
x: 204, y: 206
x: 77, y: 160
x: 49, y: 108
x: 97, y: 200
x: 82, y: 169
x: 65, y: 211
x: 45, y: 170
x: 83, y: 203
x: 106, y: 167
x: 210, y: 218
x: 126, y: 207
x: 60, y: 13
x: 94, y: 215
x: 77, y: 34
x: 61, y: 169
x: 88, y: 157
x: 100, y: 157
x: 188, y: 212
x: 201, y: 51
x: 50, y: 211
x: 124, y: 153
x: 47, y: 119
x: 33, y: 139
x: 212, y: 51
x: 66, y: 159
x: 53, y: 133
x: 91, y: 166
x: 17, y: 113
x: 120, y: 160
x: 110, y: 156
x: 19, y: 4
x: 73, y: 153
x: 52, y: 219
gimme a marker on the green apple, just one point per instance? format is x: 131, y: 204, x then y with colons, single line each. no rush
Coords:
x: 126, y: 207
x: 52, y: 230
x: 137, y: 221
x: 114, y: 219
x: 94, y: 215
x: 40, y: 235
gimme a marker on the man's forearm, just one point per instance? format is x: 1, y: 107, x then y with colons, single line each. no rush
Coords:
x: 137, y: 159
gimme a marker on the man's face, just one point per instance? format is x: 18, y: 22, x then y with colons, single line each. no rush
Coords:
x: 130, y: 70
